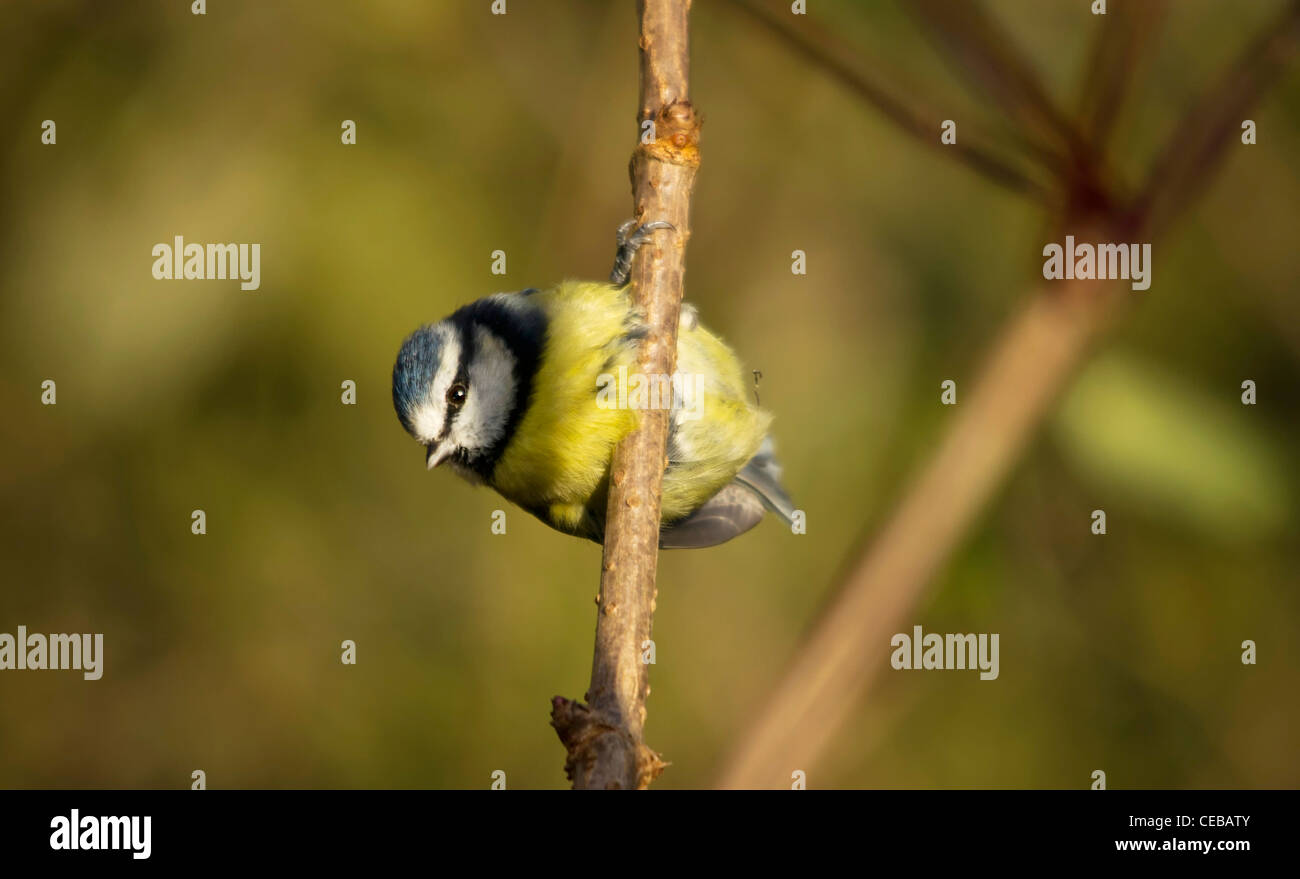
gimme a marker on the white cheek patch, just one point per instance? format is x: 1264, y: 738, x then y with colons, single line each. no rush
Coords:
x: 429, y: 418
x: 427, y: 423
x: 491, y: 399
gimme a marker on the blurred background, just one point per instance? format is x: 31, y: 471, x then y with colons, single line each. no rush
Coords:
x: 478, y: 133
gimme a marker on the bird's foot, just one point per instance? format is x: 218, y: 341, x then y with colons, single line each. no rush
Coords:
x: 630, y: 240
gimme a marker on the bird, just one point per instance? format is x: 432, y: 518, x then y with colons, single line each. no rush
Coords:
x: 528, y: 393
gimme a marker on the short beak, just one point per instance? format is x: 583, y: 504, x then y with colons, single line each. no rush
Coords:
x: 433, y: 457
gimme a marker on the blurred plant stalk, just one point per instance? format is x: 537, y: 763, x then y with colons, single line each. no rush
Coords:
x: 1035, y: 356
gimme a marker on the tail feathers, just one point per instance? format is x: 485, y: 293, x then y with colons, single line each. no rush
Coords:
x: 762, y: 475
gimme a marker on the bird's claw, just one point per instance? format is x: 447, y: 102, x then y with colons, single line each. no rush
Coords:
x: 630, y: 238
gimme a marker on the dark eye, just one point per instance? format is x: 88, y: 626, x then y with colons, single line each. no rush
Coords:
x: 456, y: 395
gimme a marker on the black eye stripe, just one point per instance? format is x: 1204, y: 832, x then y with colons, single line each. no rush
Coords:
x: 522, y: 330
x: 467, y: 350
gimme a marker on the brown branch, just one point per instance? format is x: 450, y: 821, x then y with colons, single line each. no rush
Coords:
x: 604, y: 737
x: 819, y: 46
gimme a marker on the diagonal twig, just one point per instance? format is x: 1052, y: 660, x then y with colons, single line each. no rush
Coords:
x: 1117, y: 48
x: 848, y: 646
x: 988, y: 59
x: 910, y: 114
x: 1194, y: 151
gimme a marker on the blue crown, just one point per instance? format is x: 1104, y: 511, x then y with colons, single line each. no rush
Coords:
x: 413, y: 373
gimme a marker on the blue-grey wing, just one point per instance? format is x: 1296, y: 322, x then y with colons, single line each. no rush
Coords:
x: 738, y: 507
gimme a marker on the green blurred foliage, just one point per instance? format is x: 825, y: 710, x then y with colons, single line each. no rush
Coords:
x: 1182, y: 449
x: 478, y: 133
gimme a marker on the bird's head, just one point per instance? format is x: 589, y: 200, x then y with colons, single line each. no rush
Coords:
x: 459, y: 385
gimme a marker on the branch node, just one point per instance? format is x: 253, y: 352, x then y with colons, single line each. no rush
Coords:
x: 598, y: 750
x: 677, y: 136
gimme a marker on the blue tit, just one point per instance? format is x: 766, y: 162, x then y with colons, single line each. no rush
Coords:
x: 524, y: 392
